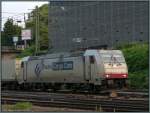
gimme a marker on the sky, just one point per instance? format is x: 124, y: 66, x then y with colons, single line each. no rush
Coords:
x: 17, y: 9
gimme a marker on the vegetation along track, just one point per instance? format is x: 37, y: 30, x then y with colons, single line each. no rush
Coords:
x: 76, y: 101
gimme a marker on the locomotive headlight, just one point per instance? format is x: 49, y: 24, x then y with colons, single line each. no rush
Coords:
x: 107, y: 76
x: 114, y: 65
x: 124, y: 75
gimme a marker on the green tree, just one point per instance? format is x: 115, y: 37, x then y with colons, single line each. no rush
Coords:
x: 43, y: 29
x: 43, y: 26
x: 43, y: 14
x: 10, y: 30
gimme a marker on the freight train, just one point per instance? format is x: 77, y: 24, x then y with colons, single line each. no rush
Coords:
x: 92, y: 69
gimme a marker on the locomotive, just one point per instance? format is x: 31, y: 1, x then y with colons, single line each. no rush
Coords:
x: 91, y: 69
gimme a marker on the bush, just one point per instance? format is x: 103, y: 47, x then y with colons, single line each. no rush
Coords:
x: 27, y: 52
x: 137, y: 58
x: 139, y: 79
x: 31, y: 51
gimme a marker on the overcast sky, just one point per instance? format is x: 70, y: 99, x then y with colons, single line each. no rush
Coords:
x: 17, y: 9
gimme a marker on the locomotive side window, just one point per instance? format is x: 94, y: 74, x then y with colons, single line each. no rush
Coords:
x: 92, y: 60
x: 68, y: 65
x: 60, y: 65
x: 63, y: 65
x: 56, y: 66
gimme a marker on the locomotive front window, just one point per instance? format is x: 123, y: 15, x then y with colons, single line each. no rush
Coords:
x: 109, y: 58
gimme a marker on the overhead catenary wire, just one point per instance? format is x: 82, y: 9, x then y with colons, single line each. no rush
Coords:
x: 12, y: 13
x: 17, y: 15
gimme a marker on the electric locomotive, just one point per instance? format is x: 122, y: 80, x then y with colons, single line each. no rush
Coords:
x: 87, y: 69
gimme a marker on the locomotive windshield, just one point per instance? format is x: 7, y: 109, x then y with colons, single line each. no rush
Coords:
x: 113, y: 57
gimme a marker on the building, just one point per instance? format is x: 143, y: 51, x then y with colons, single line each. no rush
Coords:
x: 74, y: 25
x: 8, y: 54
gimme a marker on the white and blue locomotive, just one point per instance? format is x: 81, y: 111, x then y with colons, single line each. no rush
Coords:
x: 94, y: 68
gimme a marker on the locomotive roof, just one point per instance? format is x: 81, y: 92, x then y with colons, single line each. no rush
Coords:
x: 93, y: 51
x: 72, y: 54
x: 110, y: 51
x: 57, y: 55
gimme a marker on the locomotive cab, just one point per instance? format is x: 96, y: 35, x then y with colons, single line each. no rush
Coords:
x: 105, y: 67
x: 115, y: 67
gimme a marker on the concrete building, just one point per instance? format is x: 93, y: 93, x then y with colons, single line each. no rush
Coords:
x: 8, y: 54
x: 74, y: 25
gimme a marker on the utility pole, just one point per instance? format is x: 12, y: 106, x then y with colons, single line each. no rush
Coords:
x: 25, y: 41
x: 36, y: 29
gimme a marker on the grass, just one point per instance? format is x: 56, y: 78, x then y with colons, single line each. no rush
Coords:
x: 6, y: 107
x: 20, y: 106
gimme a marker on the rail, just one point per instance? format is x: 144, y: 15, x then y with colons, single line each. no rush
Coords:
x: 77, y: 101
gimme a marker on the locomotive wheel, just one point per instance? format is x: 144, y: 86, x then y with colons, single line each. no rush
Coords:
x: 55, y: 87
x: 120, y: 84
x: 63, y: 86
x: 44, y: 87
x: 26, y: 86
x: 97, y: 88
x: 21, y: 87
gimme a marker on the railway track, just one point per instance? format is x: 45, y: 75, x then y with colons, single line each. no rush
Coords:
x: 76, y: 101
x: 123, y: 93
